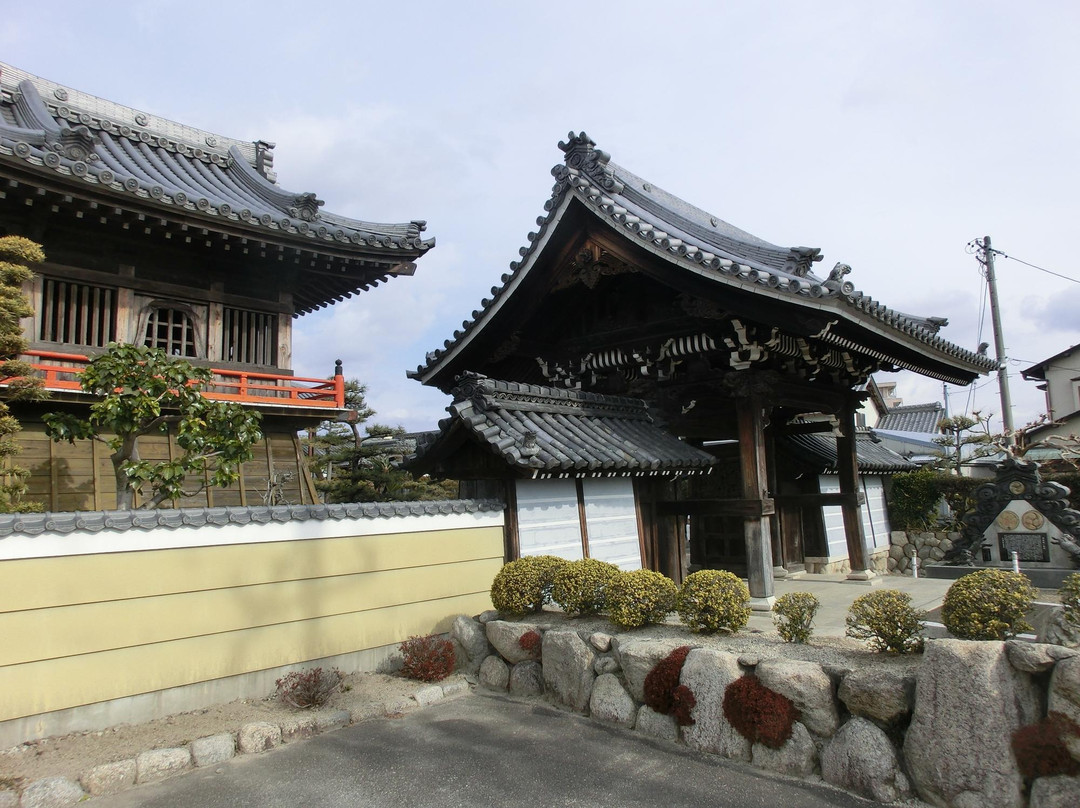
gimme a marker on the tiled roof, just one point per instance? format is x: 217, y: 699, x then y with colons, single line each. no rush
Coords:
x: 75, y: 138
x: 95, y: 521
x: 692, y: 238
x: 819, y: 449
x: 912, y: 418
x: 549, y: 431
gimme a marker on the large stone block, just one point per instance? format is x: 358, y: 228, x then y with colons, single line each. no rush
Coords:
x: 568, y: 669
x: 796, y: 758
x: 157, y: 764
x: 808, y: 686
x: 611, y: 703
x: 506, y: 639
x: 109, y: 778
x: 1055, y: 792
x: 470, y: 643
x: 860, y: 758
x: 494, y: 673
x: 1064, y: 697
x: 638, y: 657
x: 968, y: 702
x: 707, y: 673
x: 52, y: 792
x: 213, y: 749
x: 258, y: 737
x: 881, y: 695
x: 656, y: 725
x: 527, y: 679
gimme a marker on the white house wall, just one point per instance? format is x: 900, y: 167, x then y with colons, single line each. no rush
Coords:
x: 875, y: 518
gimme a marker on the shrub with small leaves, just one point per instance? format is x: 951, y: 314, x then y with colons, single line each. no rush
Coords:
x: 531, y: 642
x: 713, y: 600
x: 427, y: 659
x: 580, y: 587
x: 988, y: 605
x: 524, y: 585
x: 310, y: 688
x: 759, y: 714
x: 640, y: 598
x: 1041, y: 749
x: 1070, y: 598
x: 664, y: 694
x: 793, y: 615
x: 887, y: 620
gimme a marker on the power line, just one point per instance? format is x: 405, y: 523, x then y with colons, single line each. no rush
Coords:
x: 1041, y: 269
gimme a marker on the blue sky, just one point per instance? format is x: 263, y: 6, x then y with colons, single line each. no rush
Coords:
x: 888, y: 135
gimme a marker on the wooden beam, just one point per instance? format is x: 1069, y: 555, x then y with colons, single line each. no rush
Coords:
x: 821, y: 499
x: 848, y: 473
x: 807, y: 428
x: 746, y: 508
x: 750, y: 416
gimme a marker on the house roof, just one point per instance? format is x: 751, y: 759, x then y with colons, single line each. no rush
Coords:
x: 70, y: 139
x: 545, y: 431
x: 819, y: 449
x: 1037, y: 372
x: 698, y: 242
x: 913, y: 418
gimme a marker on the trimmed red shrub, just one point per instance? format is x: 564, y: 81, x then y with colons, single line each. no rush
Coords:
x: 531, y: 641
x: 427, y: 659
x: 664, y: 694
x: 759, y: 714
x: 310, y: 688
x: 1040, y: 748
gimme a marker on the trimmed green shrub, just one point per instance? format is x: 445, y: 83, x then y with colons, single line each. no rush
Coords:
x: 713, y: 600
x: 1070, y: 598
x: 886, y: 620
x: 640, y: 597
x: 580, y: 587
x: 793, y: 615
x: 524, y: 585
x: 912, y: 499
x: 988, y: 605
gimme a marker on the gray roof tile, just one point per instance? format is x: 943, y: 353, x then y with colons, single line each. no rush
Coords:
x: 687, y: 235
x: 819, y: 449
x: 78, y: 138
x: 546, y: 430
x: 96, y: 521
x: 913, y: 418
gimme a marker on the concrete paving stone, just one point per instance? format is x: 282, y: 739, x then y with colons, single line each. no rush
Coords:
x: 109, y: 778
x: 52, y: 792
x: 157, y: 764
x: 213, y: 749
x: 324, y: 722
x: 428, y: 695
x: 258, y: 737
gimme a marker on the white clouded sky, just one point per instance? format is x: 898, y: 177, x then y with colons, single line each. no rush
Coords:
x: 888, y: 135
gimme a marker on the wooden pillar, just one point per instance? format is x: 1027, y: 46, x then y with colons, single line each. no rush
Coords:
x: 848, y: 471
x: 750, y: 414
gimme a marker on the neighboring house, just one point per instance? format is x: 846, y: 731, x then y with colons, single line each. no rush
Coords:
x: 161, y: 234
x: 1060, y: 380
x: 910, y: 429
x: 710, y: 335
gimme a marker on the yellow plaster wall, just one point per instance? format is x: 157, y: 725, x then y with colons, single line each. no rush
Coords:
x: 75, y: 630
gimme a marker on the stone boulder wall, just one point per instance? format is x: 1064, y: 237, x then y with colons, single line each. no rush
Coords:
x: 506, y: 639
x: 568, y: 669
x: 808, y: 687
x: 963, y: 707
x: 708, y: 673
x: 969, y: 702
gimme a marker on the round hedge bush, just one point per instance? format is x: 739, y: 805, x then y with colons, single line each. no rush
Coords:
x: 988, y: 605
x: 713, y: 600
x: 793, y: 614
x: 1070, y: 598
x: 524, y: 585
x: 887, y: 620
x: 580, y: 587
x: 640, y: 597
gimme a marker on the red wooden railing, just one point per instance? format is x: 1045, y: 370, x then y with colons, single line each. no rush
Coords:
x: 60, y: 371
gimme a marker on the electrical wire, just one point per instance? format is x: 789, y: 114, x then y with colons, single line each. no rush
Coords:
x: 1033, y: 266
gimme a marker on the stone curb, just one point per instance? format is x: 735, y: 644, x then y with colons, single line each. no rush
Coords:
x: 155, y: 765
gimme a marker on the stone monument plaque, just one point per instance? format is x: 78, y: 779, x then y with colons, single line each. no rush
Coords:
x: 1028, y: 546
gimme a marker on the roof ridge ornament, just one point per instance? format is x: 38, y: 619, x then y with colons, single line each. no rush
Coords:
x: 582, y: 156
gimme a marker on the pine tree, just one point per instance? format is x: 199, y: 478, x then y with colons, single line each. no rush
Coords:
x: 19, y: 382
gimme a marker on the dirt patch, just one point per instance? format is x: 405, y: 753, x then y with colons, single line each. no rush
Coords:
x: 71, y: 755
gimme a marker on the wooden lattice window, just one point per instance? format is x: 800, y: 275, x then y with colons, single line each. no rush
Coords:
x: 77, y: 313
x: 248, y: 337
x: 172, y: 330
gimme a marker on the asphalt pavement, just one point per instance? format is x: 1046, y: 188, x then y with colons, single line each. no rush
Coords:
x: 481, y: 750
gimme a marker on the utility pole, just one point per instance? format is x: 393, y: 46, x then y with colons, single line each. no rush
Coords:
x: 999, y: 340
